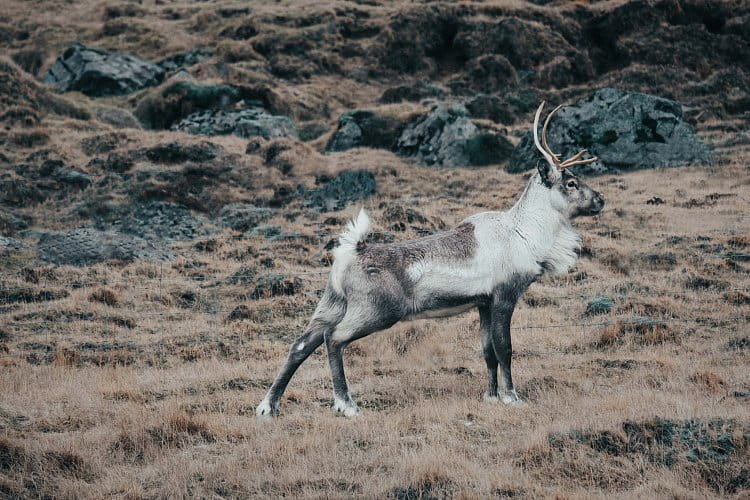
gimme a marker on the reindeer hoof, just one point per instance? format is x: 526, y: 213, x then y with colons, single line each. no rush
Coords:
x: 346, y: 408
x: 511, y: 398
x: 490, y: 398
x: 265, y: 411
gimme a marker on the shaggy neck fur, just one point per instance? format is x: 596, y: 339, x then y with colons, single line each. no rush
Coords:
x: 542, y: 227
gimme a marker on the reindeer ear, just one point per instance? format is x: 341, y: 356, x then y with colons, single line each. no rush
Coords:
x: 548, y: 173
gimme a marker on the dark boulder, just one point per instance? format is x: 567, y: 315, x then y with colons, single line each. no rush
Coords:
x: 85, y: 246
x: 244, y: 123
x: 10, y: 244
x: 244, y: 217
x: 348, y: 186
x: 72, y: 178
x: 376, y: 128
x: 625, y: 130
x: 161, y: 221
x: 447, y: 137
x: 99, y: 73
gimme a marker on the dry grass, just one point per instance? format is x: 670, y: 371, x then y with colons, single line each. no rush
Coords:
x: 142, y: 379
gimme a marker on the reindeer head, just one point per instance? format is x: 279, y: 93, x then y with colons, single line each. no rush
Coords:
x: 570, y: 195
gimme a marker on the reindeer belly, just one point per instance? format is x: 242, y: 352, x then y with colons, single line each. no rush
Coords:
x: 443, y: 312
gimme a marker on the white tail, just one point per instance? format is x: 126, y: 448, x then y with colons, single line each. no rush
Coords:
x: 356, y: 230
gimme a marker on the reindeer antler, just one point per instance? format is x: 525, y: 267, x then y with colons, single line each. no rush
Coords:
x: 543, y: 148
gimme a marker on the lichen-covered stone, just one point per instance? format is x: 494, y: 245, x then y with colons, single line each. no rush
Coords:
x: 625, y: 130
x: 99, y: 73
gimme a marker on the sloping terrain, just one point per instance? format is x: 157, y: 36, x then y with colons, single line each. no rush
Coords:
x: 161, y: 246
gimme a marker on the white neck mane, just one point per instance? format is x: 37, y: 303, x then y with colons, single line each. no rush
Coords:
x: 543, y: 229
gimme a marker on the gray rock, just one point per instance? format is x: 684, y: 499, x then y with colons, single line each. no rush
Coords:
x: 244, y: 217
x: 163, y: 221
x: 348, y: 186
x: 347, y: 136
x: 366, y: 128
x: 447, y: 137
x: 72, y: 178
x: 85, y: 246
x: 625, y: 130
x: 10, y: 244
x: 244, y: 123
x: 99, y: 73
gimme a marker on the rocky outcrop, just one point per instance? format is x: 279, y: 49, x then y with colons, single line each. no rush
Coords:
x: 448, y: 137
x: 162, y: 221
x: 348, y: 186
x: 244, y: 123
x: 10, y: 244
x: 444, y: 136
x: 244, y: 217
x: 99, y: 73
x: 366, y: 128
x: 625, y: 130
x: 86, y: 246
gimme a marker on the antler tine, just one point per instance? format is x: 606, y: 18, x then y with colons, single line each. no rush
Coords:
x: 551, y: 159
x: 544, y: 136
x: 573, y: 158
x: 580, y: 162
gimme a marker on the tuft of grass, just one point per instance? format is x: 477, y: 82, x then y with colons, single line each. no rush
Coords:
x: 105, y: 296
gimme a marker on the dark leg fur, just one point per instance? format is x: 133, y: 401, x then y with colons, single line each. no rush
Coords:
x: 495, y: 320
x: 485, y: 323
x: 329, y: 313
x: 351, y: 328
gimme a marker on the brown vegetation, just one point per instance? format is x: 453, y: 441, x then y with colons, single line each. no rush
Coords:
x: 140, y: 379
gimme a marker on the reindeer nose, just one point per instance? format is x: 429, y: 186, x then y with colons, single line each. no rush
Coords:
x: 598, y: 201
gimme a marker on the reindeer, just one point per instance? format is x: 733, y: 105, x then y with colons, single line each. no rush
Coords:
x: 486, y: 262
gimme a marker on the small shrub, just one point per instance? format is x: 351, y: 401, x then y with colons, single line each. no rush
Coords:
x: 709, y: 381
x: 599, y: 305
x: 105, y: 296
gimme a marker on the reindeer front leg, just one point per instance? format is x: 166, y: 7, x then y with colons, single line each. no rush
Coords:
x: 495, y: 321
x: 500, y: 337
x: 485, y: 324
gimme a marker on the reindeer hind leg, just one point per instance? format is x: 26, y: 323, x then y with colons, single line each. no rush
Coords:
x: 327, y: 315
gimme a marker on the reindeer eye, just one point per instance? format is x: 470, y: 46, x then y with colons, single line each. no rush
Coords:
x: 572, y: 184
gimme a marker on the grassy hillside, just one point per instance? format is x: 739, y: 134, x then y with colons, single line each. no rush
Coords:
x: 139, y: 378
